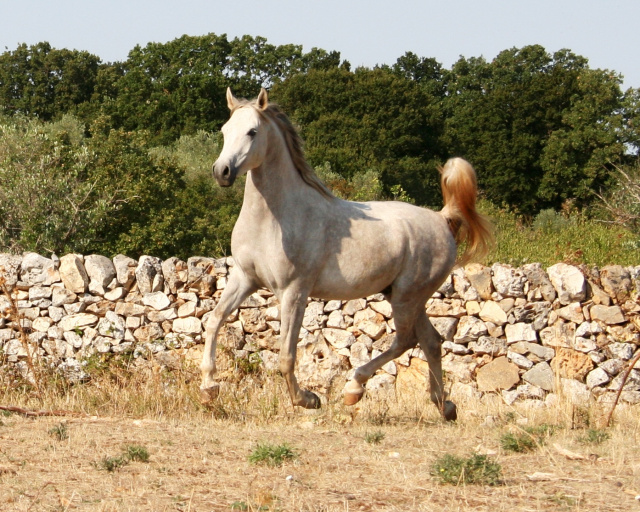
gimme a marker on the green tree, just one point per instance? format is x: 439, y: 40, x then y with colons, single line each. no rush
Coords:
x: 368, y: 120
x: 503, y: 116
x: 44, y: 82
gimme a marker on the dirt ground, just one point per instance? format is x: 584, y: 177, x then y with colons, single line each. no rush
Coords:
x: 202, y: 464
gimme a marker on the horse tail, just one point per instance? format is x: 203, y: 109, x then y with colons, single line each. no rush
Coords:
x: 468, y: 226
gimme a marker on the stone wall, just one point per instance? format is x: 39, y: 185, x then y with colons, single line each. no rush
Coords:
x: 523, y: 332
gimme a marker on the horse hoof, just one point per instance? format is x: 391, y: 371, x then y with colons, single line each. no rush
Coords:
x: 312, y: 401
x: 353, y: 392
x: 208, y: 395
x: 449, y: 411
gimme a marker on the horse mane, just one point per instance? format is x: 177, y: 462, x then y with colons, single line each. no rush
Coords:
x: 294, y: 145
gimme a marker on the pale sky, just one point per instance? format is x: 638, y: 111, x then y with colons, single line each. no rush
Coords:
x: 365, y: 32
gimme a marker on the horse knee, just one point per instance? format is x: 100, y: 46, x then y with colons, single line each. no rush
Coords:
x: 286, y: 364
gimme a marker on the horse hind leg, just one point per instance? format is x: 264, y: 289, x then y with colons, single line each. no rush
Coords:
x: 404, y: 340
x: 430, y: 343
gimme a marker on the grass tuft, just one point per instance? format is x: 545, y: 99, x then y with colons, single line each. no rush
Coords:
x: 374, y: 437
x: 594, y: 436
x: 59, y: 432
x: 130, y: 453
x: 528, y: 439
x: 271, y: 454
x: 476, y: 469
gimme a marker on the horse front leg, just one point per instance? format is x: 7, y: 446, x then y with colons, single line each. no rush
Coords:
x: 293, y: 306
x: 237, y: 290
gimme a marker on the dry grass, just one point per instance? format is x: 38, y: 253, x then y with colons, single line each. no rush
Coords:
x: 199, y: 459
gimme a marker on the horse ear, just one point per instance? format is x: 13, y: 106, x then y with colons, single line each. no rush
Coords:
x: 263, y: 99
x: 232, y: 102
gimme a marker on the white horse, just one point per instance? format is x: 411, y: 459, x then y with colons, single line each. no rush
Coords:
x: 294, y: 237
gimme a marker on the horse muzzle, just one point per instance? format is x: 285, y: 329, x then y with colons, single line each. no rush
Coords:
x: 224, y: 174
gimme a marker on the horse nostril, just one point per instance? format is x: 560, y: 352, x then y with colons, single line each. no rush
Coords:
x: 226, y: 172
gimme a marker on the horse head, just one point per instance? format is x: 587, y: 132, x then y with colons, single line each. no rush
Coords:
x: 245, y: 139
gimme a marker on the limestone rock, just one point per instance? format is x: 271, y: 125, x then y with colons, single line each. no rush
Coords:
x: 10, y: 269
x: 382, y: 307
x: 187, y: 325
x: 73, y: 274
x: 100, y: 270
x: 149, y: 332
x: 111, y: 326
x: 463, y: 287
x: 480, y: 278
x: 520, y: 332
x: 609, y: 315
x: 497, y: 375
x: 317, y: 365
x: 156, y: 300
x: 539, y: 281
x: 489, y: 345
x: 78, y: 321
x: 569, y: 283
x: 359, y: 354
x: 508, y: 281
x: 540, y: 375
x: 622, y: 351
x: 339, y: 338
x: 571, y: 313
x: 446, y: 326
x: 412, y: 381
x: 314, y: 317
x: 492, y: 312
x: 597, y: 377
x: 571, y: 364
x: 577, y: 392
x: 175, y: 273
x: 616, y: 281
x: 36, y: 269
x: 469, y: 329
x: 560, y: 334
x: 149, y: 275
x: 534, y: 313
x: 125, y: 270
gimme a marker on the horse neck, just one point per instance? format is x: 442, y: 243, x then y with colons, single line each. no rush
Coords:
x: 277, y: 184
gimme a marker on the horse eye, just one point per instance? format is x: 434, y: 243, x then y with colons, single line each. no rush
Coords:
x: 252, y: 132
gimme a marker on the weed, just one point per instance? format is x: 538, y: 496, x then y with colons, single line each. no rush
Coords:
x: 136, y: 453
x: 110, y: 464
x: 476, y: 469
x: 374, y: 437
x: 59, y: 432
x: 249, y: 365
x: 520, y: 442
x: 528, y: 439
x: 594, y: 436
x: 129, y: 453
x: 272, y: 455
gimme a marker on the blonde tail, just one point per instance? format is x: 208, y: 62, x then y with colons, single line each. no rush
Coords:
x: 460, y: 191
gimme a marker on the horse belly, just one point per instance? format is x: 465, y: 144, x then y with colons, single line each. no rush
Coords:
x: 353, y: 277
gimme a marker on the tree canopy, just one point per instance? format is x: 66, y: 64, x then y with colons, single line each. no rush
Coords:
x: 136, y: 138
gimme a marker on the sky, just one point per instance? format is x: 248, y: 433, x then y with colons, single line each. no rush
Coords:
x: 365, y: 33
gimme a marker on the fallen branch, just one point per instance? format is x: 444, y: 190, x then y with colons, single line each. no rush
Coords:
x: 33, y: 413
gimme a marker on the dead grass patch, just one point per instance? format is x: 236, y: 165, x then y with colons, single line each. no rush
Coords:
x: 198, y: 458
